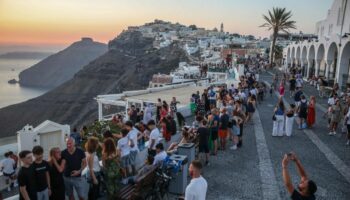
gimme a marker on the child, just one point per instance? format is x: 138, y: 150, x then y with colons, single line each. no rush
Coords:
x: 26, y: 178
x: 41, y: 173
x: 124, y: 149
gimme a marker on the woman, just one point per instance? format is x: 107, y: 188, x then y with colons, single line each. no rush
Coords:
x: 281, y: 89
x: 290, y: 120
x: 93, y: 168
x: 336, y: 111
x: 251, y: 105
x: 163, y: 112
x: 111, y: 168
x: 56, y: 174
x: 302, y: 112
x: 166, y: 129
x: 311, y: 112
x: 278, y: 122
x: 159, y: 107
x: 185, y: 139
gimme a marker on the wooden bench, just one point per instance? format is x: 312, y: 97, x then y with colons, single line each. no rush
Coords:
x: 142, y: 185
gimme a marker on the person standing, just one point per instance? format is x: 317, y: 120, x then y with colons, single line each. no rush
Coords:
x: 290, y: 120
x: 153, y: 138
x: 76, y: 136
x: 132, y: 113
x: 311, y: 112
x: 302, y: 112
x: 204, y: 134
x: 8, y: 170
x: 159, y: 107
x: 41, y: 173
x: 111, y: 168
x: 281, y: 89
x: 336, y: 111
x: 223, y: 126
x: 214, y: 126
x: 133, y: 143
x: 292, y: 83
x: 278, y: 123
x: 306, y: 187
x: 197, y: 189
x: 26, y: 177
x: 124, y: 151
x: 347, y: 122
x: 173, y: 106
x: 93, y: 168
x: 56, y: 174
x: 73, y: 160
x: 297, y: 97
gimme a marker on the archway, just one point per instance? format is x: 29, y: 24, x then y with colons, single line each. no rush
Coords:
x: 297, y: 57
x: 332, y: 56
x: 345, y: 65
x: 321, y: 63
x: 288, y: 58
x: 311, y: 61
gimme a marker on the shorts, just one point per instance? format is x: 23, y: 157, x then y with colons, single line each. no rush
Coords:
x: 222, y: 133
x: 212, y: 101
x: 9, y: 175
x: 214, y: 135
x: 125, y: 161
x: 76, y: 183
x: 235, y: 131
x: 203, y: 148
x: 132, y: 157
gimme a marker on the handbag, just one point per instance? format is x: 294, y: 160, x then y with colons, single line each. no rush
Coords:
x: 274, y: 117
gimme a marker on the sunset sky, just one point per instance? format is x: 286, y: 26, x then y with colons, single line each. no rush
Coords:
x: 60, y: 22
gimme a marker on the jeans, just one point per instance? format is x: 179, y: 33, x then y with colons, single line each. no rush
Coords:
x: 43, y: 195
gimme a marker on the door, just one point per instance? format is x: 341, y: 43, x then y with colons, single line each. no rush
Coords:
x: 50, y: 140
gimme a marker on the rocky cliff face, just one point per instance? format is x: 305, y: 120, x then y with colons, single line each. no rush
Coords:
x: 60, y: 67
x: 129, y: 64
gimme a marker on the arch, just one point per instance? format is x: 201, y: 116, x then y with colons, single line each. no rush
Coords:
x: 345, y: 65
x: 332, y: 56
x: 311, y: 61
x: 320, y: 61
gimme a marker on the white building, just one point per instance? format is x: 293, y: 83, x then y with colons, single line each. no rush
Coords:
x: 48, y: 134
x: 329, y: 55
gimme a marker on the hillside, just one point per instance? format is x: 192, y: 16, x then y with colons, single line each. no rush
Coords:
x: 61, y: 67
x: 129, y: 64
x: 25, y: 55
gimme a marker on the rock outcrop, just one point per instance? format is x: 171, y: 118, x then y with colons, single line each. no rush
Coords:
x: 61, y: 67
x: 128, y: 65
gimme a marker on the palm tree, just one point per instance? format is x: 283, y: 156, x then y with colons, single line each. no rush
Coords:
x: 277, y: 20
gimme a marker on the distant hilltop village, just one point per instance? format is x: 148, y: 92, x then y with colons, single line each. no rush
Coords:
x: 191, y: 38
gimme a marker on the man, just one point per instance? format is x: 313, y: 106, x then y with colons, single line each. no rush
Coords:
x: 292, y: 83
x: 160, y: 156
x: 197, y: 189
x: 173, y: 106
x: 297, y: 96
x: 26, y: 178
x: 76, y: 136
x: 153, y: 138
x: 306, y: 187
x: 124, y: 151
x: 204, y: 134
x: 215, y: 129
x: 41, y: 172
x: 8, y: 170
x: 132, y: 114
x: 223, y: 125
x: 73, y: 160
x: 133, y: 138
x: 212, y: 97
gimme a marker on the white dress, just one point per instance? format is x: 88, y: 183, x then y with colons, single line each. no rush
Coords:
x: 289, y: 125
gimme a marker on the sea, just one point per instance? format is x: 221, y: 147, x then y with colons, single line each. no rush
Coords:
x: 14, y: 93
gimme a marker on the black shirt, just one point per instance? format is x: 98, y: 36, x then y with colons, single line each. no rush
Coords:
x: 56, y: 177
x: 26, y: 177
x: 40, y: 170
x: 297, y: 196
x: 224, y: 121
x: 203, y: 134
x: 73, y: 161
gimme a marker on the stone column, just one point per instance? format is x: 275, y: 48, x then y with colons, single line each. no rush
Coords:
x: 100, y: 114
x: 309, y: 65
x: 328, y: 64
x: 317, y: 66
x: 342, y: 69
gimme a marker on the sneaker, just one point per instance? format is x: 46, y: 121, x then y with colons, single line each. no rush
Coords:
x: 15, y: 185
x: 207, y: 163
x: 330, y: 133
x: 8, y: 189
x: 334, y: 133
x: 234, y: 147
x: 348, y: 143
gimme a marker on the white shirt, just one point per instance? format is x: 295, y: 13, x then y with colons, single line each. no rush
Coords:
x: 197, y: 189
x: 158, y: 159
x: 7, y: 165
x: 348, y: 116
x: 154, y: 136
x: 123, y: 146
x: 132, y: 135
x: 331, y: 101
x: 96, y: 163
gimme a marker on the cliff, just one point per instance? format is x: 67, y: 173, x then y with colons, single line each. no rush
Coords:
x: 61, y: 67
x: 128, y: 65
